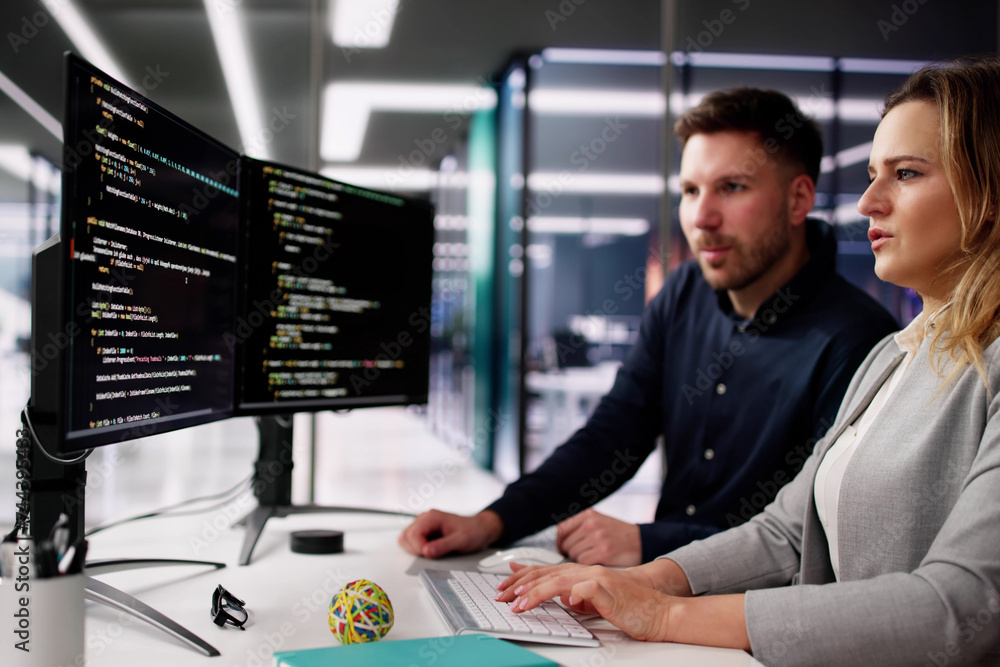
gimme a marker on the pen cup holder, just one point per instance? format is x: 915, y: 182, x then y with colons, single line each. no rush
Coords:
x: 41, y: 620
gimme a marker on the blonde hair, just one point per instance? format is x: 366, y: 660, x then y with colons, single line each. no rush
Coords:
x: 967, y: 95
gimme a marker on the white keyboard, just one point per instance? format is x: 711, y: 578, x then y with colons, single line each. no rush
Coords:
x: 465, y: 602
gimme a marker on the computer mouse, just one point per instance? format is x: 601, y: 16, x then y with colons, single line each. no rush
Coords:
x: 499, y: 563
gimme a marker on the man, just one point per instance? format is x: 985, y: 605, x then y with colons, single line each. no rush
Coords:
x: 741, y: 363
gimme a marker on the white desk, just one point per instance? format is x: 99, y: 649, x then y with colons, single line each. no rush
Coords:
x: 288, y: 594
x: 570, y: 396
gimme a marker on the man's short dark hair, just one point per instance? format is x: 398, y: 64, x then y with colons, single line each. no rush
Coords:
x: 783, y: 129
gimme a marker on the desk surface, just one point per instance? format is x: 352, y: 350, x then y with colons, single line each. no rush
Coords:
x: 585, y: 381
x: 288, y: 594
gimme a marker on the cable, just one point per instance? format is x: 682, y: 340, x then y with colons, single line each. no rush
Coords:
x: 31, y: 431
x: 168, y: 511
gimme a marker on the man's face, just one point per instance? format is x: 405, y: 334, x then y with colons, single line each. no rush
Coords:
x: 734, y: 207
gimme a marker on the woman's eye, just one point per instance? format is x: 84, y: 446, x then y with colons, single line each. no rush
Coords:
x: 906, y: 174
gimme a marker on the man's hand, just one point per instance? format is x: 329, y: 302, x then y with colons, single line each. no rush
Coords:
x: 592, y: 538
x: 434, y: 534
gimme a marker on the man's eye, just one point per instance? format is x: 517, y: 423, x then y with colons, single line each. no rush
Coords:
x: 734, y: 187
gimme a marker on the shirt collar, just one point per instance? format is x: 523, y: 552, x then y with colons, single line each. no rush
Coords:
x: 922, y: 326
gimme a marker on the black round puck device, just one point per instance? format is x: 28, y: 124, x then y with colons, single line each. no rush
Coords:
x: 317, y: 542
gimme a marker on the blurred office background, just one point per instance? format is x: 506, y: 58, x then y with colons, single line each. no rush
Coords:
x: 540, y: 129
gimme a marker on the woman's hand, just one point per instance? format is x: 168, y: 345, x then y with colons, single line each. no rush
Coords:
x: 623, y: 597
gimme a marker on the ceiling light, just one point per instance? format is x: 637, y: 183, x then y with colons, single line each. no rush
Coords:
x: 227, y: 31
x: 853, y: 109
x: 414, y: 97
x: 755, y: 61
x: 681, y: 102
x: 800, y: 63
x: 846, y: 157
x: 348, y: 104
x: 555, y: 183
x: 880, y: 65
x: 859, y: 109
x: 558, y: 225
x: 363, y: 24
x: 382, y: 178
x: 34, y: 109
x: 83, y: 37
x: 413, y: 180
x: 583, y: 101
x: 604, y: 56
x: 845, y: 214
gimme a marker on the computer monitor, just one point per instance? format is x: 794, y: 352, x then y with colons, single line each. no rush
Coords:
x: 133, y: 298
x: 147, y: 257
x: 189, y: 284
x: 334, y: 314
x: 335, y: 306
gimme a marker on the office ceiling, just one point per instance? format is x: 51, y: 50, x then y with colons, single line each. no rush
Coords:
x: 167, y: 47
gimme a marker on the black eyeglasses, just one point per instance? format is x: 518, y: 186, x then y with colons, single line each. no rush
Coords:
x: 227, y: 608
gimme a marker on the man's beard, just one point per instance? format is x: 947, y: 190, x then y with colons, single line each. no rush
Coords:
x: 756, y: 260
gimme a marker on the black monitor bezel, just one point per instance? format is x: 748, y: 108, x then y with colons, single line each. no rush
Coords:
x: 319, y: 405
x: 66, y: 441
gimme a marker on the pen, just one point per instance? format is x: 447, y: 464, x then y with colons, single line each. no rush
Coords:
x: 46, y: 561
x: 60, y: 534
x: 72, y: 562
x: 67, y: 559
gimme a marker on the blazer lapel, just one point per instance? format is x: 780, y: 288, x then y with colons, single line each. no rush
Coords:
x: 862, y: 404
x: 816, y: 567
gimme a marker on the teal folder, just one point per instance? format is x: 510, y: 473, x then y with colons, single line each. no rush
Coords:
x: 459, y: 651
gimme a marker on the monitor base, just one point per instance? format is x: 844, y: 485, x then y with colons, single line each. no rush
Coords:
x: 98, y: 591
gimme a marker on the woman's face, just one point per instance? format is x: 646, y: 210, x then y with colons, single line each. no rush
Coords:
x: 915, y: 229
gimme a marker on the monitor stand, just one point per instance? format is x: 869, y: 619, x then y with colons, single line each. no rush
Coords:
x: 59, y: 487
x: 272, y: 483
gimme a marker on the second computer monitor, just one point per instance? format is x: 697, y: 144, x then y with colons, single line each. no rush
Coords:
x: 336, y: 302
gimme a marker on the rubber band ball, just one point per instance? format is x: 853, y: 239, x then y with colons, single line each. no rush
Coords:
x: 361, y: 612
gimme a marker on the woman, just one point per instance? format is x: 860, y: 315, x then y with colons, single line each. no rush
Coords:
x: 885, y: 549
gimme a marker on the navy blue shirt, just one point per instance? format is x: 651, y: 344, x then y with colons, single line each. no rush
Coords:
x: 739, y: 403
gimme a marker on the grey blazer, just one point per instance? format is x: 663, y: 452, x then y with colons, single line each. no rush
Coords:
x: 919, y: 533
